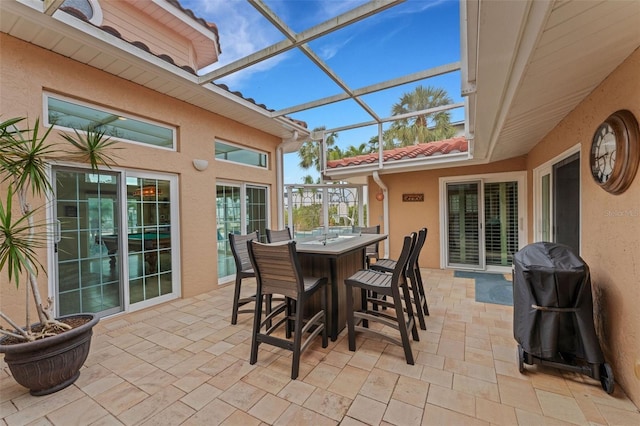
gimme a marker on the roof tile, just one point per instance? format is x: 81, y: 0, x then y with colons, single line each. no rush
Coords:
x: 422, y: 150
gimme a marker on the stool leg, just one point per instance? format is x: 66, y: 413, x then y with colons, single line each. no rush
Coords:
x: 257, y: 319
x: 417, y: 300
x: 351, y: 331
x: 323, y: 301
x: 402, y: 324
x: 422, y: 293
x: 297, y: 338
x: 236, y: 300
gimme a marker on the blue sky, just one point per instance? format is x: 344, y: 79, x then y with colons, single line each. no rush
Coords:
x: 410, y: 37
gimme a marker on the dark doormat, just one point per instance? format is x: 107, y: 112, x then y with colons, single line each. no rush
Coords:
x: 490, y: 288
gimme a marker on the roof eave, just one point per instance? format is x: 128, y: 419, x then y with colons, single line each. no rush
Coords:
x: 400, y: 166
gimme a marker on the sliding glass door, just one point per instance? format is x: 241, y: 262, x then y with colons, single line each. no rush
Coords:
x: 463, y: 225
x: 482, y: 222
x: 240, y: 208
x: 116, y: 242
x: 86, y: 207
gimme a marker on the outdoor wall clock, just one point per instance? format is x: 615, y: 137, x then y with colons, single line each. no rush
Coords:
x: 615, y: 152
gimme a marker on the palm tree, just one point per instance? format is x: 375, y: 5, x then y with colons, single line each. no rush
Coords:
x: 354, y: 151
x: 309, y: 152
x: 424, y: 127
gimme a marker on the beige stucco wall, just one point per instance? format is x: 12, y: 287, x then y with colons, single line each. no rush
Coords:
x: 26, y: 71
x: 405, y: 217
x: 610, y: 236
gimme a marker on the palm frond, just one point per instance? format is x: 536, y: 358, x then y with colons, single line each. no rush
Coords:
x: 92, y: 146
x: 18, y: 242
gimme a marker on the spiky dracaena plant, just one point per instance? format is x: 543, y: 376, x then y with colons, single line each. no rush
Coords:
x: 23, y: 170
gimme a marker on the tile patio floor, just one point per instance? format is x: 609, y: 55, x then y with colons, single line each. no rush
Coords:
x: 182, y: 363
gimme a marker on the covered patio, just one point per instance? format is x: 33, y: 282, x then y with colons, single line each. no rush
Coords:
x: 182, y: 363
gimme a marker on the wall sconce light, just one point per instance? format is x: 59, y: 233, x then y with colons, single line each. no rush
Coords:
x: 380, y: 195
x: 200, y: 165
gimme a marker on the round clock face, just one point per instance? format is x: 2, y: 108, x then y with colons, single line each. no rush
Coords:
x: 615, y: 152
x: 603, y: 153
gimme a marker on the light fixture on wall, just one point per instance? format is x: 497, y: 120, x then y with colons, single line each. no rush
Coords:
x: 380, y: 195
x: 147, y: 191
x: 200, y: 165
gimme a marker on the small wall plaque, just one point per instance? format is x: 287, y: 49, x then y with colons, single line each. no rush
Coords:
x: 412, y: 197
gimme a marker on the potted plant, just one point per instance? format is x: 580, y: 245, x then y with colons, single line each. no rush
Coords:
x: 45, y: 356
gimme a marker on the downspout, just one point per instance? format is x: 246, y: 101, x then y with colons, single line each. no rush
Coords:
x: 385, y: 210
x: 280, y: 178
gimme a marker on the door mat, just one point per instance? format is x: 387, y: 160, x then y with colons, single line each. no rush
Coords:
x: 490, y: 288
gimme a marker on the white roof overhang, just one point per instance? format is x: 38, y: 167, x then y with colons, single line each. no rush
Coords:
x: 531, y: 63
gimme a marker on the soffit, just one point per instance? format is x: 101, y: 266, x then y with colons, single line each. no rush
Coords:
x: 541, y: 70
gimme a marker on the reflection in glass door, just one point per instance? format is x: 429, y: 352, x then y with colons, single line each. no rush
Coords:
x: 239, y: 209
x: 149, y: 238
x: 86, y: 208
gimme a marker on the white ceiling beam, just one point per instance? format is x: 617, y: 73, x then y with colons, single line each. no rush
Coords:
x: 50, y: 6
x: 327, y: 27
x: 433, y: 110
x: 410, y: 78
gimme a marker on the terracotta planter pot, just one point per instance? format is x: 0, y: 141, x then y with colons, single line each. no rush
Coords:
x: 51, y: 364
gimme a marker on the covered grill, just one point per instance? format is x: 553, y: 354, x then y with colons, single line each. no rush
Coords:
x: 553, y: 312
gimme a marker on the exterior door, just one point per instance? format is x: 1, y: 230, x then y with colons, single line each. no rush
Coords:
x: 113, y: 255
x: 464, y: 225
x: 240, y: 208
x: 150, y: 240
x: 483, y: 221
x: 566, y: 202
x: 86, y: 207
x: 557, y: 200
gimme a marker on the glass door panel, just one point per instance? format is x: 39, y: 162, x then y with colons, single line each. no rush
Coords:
x: 463, y: 225
x: 228, y: 220
x: 545, y: 219
x: 566, y: 202
x: 239, y: 209
x: 501, y: 222
x: 149, y: 238
x: 86, y: 276
x: 256, y: 211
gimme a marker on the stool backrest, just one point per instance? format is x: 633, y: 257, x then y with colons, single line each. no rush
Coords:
x: 415, y: 250
x: 401, y: 264
x: 238, y: 245
x: 277, y: 235
x: 277, y: 268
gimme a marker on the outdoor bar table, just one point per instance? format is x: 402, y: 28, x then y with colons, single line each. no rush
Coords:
x: 337, y: 257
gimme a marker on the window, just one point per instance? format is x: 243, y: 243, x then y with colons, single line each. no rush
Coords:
x: 236, y: 154
x: 89, y: 8
x: 79, y: 116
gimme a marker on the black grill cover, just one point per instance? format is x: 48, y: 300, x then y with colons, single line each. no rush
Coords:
x: 551, y: 275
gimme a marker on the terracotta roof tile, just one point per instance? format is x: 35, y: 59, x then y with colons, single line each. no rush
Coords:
x: 423, y: 150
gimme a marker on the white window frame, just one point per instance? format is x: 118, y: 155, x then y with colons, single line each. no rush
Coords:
x: 45, y: 109
x: 245, y: 148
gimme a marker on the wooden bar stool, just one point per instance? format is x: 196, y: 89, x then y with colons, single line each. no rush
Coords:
x: 278, y: 271
x: 386, y: 286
